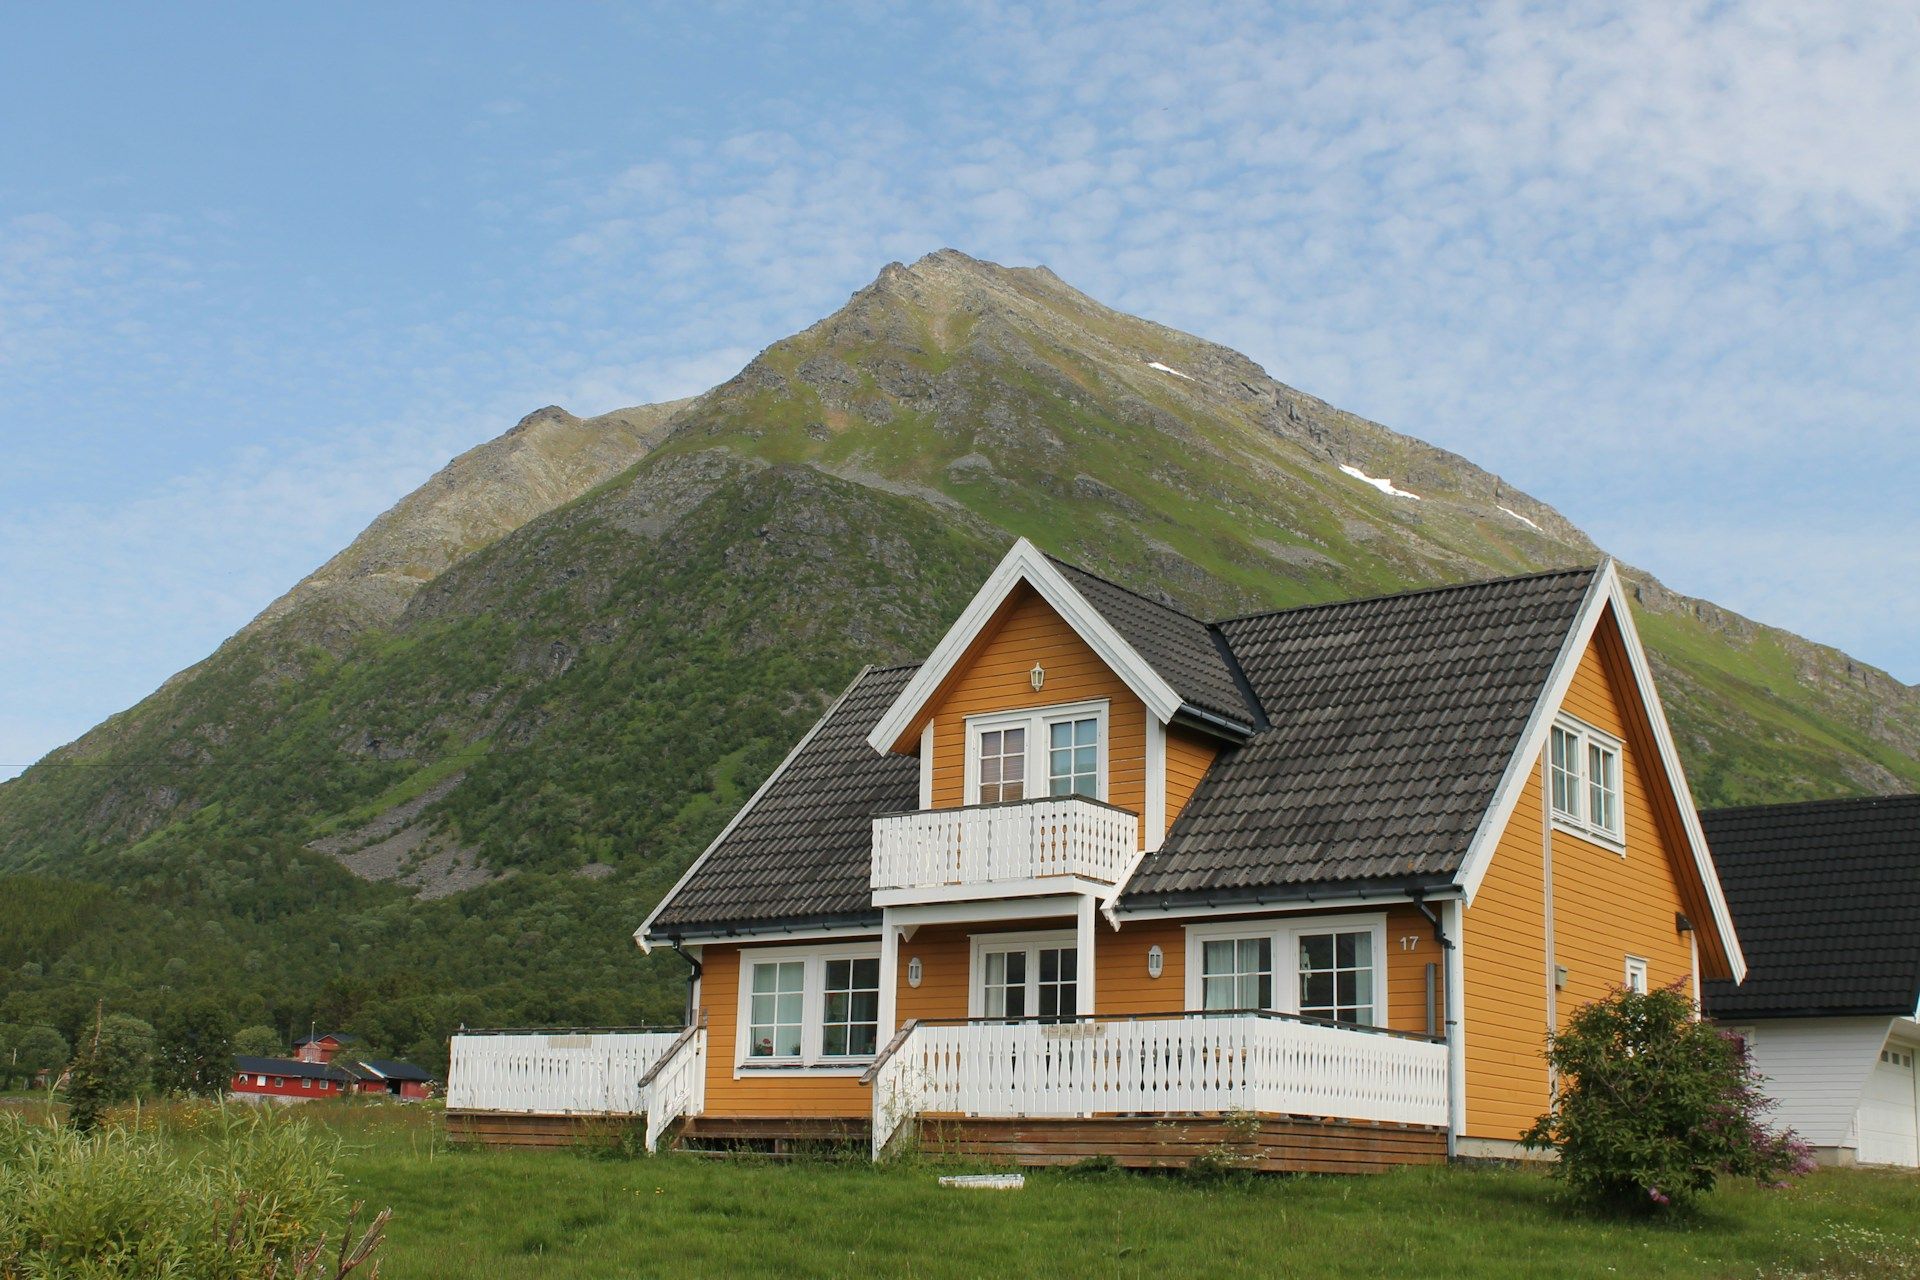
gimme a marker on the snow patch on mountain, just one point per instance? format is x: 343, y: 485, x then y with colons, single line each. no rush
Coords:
x: 1384, y: 485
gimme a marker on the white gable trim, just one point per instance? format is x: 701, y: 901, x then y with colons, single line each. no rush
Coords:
x: 1605, y: 590
x: 1024, y: 563
x: 646, y: 926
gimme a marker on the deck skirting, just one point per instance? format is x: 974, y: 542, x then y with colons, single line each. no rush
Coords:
x: 1265, y: 1143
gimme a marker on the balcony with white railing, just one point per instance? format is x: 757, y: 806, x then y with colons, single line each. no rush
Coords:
x: 1065, y: 844
x: 1181, y: 1063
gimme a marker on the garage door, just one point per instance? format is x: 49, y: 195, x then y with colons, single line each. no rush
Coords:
x: 1887, y: 1121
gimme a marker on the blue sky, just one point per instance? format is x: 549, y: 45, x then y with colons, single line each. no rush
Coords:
x: 262, y: 270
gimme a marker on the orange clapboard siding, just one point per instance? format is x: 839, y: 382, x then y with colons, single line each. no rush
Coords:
x: 1189, y: 756
x: 994, y: 677
x: 758, y: 1094
x: 1605, y: 907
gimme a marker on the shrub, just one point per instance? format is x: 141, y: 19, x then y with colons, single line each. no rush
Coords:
x: 1655, y: 1106
x: 114, y: 1063
x: 256, y: 1195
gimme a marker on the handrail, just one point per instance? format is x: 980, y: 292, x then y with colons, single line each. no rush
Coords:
x: 1008, y: 804
x: 563, y: 1031
x: 1167, y: 1015
x: 893, y: 1046
x: 666, y: 1057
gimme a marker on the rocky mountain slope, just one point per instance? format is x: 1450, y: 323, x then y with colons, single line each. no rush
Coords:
x: 531, y: 692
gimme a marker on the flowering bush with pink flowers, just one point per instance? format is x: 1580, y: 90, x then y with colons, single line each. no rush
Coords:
x: 1655, y: 1106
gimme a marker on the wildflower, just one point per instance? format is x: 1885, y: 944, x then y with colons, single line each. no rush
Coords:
x: 1658, y: 1196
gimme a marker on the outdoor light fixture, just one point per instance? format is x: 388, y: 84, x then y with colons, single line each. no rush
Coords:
x: 913, y: 972
x: 1156, y: 961
x: 1037, y: 676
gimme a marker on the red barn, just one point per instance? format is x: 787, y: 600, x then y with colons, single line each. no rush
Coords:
x: 321, y: 1046
x: 400, y: 1080
x: 287, y: 1079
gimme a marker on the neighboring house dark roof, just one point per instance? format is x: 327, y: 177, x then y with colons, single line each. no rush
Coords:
x: 338, y: 1037
x: 1391, y: 722
x: 1183, y: 650
x: 286, y: 1067
x: 1826, y: 897
x: 804, y: 849
x: 385, y: 1069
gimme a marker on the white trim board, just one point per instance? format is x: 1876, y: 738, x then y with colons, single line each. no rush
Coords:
x: 1023, y: 563
x: 1605, y: 590
x: 640, y: 934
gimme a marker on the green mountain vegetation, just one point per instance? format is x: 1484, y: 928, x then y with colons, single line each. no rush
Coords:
x: 445, y: 777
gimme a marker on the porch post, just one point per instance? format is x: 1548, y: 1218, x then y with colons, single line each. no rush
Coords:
x: 889, y: 973
x: 1083, y: 950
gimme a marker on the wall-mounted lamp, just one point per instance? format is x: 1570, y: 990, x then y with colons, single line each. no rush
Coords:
x: 1037, y: 676
x: 913, y: 972
x: 1156, y: 961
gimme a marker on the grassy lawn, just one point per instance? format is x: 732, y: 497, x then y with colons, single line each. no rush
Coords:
x: 568, y: 1213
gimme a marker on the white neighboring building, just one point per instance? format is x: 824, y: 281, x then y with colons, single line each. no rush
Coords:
x: 1826, y: 897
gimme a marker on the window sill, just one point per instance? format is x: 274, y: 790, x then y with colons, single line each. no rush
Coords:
x: 794, y: 1067
x: 1592, y: 835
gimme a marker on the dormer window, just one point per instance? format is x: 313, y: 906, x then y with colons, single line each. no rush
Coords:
x: 1046, y: 751
x: 1583, y: 774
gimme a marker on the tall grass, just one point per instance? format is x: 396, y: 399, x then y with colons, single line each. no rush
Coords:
x: 209, y: 1192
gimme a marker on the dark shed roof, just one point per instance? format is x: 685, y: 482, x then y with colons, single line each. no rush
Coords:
x: 384, y: 1068
x: 1181, y: 649
x: 1391, y: 723
x: 1826, y: 898
x: 805, y: 849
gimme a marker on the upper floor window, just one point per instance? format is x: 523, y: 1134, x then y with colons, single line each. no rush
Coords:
x: 1048, y: 751
x: 1636, y: 975
x: 1583, y: 773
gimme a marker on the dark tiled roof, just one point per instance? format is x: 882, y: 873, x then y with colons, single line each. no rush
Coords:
x: 1391, y: 723
x: 1181, y: 650
x: 383, y: 1068
x: 286, y: 1067
x: 804, y: 851
x: 1826, y: 899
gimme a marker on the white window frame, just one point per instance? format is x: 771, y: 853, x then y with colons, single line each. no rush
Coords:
x: 1636, y: 969
x: 812, y: 1060
x: 1284, y: 933
x: 1032, y: 942
x: 1036, y: 721
x: 1579, y: 822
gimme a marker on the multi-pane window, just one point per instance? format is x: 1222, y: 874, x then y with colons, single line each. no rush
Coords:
x: 777, y: 1010
x: 1336, y: 975
x: 1236, y: 973
x: 1036, y: 978
x: 850, y: 1021
x: 1003, y: 765
x: 1583, y: 770
x: 1073, y: 757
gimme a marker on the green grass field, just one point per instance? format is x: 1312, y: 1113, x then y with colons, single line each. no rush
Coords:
x: 569, y: 1213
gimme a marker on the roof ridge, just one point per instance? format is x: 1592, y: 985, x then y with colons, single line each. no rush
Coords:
x: 1834, y: 802
x: 1137, y: 595
x: 1567, y: 571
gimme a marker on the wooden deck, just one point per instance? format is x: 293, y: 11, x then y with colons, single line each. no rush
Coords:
x: 1270, y: 1144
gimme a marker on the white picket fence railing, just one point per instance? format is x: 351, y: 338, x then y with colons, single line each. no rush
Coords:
x: 554, y: 1073
x: 995, y: 843
x: 1210, y: 1063
x: 676, y: 1086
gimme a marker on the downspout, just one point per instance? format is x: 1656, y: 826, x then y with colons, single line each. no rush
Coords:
x: 694, y: 970
x: 1456, y: 1050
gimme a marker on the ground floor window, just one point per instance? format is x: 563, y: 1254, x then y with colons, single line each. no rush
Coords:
x: 809, y: 1006
x: 1334, y: 967
x: 1025, y: 976
x: 1636, y: 975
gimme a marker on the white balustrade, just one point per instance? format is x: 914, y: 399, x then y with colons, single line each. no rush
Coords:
x: 999, y: 843
x: 676, y: 1086
x: 1215, y: 1063
x: 560, y: 1073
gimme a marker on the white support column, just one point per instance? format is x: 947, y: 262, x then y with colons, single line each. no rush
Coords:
x: 1153, y: 823
x: 889, y: 974
x: 1452, y: 920
x: 1083, y: 945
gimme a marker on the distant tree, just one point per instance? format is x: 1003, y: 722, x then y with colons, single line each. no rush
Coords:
x: 114, y: 1064
x: 1655, y: 1106
x: 194, y: 1047
x: 259, y: 1042
x: 35, y: 1049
